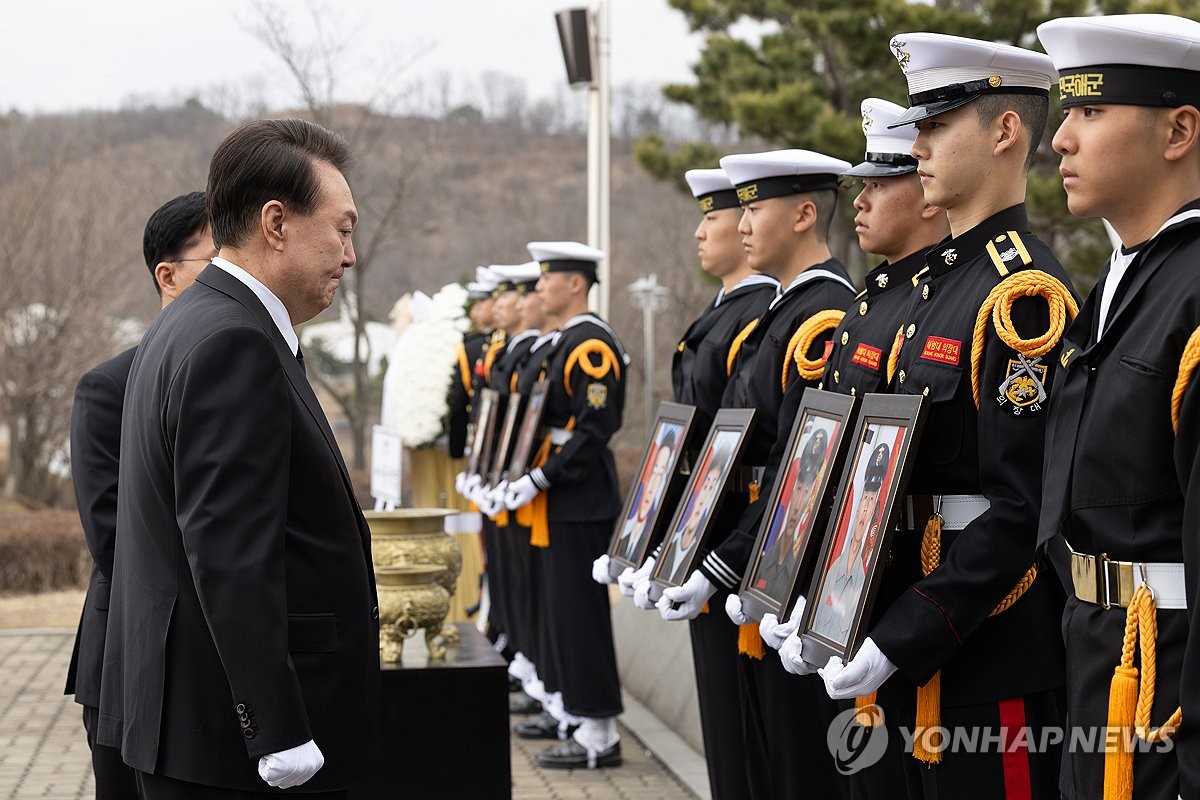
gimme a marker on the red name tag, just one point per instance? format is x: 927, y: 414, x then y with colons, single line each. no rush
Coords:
x: 946, y: 351
x: 867, y: 356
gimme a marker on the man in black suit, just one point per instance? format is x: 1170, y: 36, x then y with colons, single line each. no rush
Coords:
x: 243, y: 630
x: 177, y: 243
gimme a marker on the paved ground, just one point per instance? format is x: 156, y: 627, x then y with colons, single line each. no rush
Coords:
x: 43, y: 753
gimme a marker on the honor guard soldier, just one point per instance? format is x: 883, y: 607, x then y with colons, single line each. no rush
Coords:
x: 965, y: 625
x: 700, y: 371
x: 474, y: 342
x: 1121, y: 505
x: 789, y: 198
x: 572, y: 492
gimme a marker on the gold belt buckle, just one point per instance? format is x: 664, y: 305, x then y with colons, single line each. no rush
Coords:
x: 1101, y: 580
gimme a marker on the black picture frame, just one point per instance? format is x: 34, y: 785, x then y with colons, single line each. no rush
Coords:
x: 505, y: 439
x: 645, y: 513
x: 700, y: 503
x: 484, y: 434
x: 841, y: 596
x: 799, y: 504
x: 535, y: 404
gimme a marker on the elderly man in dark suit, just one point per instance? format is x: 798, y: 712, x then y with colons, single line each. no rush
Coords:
x: 243, y: 630
x: 177, y: 243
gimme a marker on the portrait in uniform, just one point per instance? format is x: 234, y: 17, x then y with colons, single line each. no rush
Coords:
x: 648, y: 491
x: 698, y: 505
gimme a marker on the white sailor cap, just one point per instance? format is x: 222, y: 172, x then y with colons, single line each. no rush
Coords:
x: 945, y: 72
x: 566, y: 257
x: 1126, y: 59
x: 888, y: 150
x: 712, y: 189
x: 519, y: 277
x: 502, y: 274
x: 778, y: 173
x: 483, y: 284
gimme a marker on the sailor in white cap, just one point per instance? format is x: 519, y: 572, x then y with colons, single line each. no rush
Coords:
x: 570, y: 496
x: 699, y: 374
x: 978, y: 633
x: 1121, y: 504
x: 469, y: 355
x: 789, y: 198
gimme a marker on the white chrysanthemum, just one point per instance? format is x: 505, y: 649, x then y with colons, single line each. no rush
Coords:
x: 422, y: 366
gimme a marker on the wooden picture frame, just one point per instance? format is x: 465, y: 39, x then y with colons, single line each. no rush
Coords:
x: 535, y: 404
x: 484, y: 434
x: 799, y: 503
x: 657, y: 488
x: 700, y: 503
x: 870, y: 496
x: 505, y: 439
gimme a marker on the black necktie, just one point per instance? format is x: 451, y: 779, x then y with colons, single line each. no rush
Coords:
x: 300, y: 358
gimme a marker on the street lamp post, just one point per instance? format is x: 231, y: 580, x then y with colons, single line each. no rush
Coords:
x: 650, y: 298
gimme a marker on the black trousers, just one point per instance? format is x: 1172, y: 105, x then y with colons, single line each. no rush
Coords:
x: 160, y: 787
x: 1005, y: 769
x: 497, y: 632
x: 791, y: 714
x: 735, y: 757
x: 519, y: 595
x: 577, y: 621
x: 114, y: 778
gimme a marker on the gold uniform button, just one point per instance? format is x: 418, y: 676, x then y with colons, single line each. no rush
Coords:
x: 902, y: 376
x: 853, y: 391
x: 837, y: 378
x: 912, y: 331
x: 845, y: 338
x: 925, y: 391
x: 925, y: 292
x: 862, y: 308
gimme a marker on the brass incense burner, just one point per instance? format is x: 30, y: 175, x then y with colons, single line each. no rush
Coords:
x: 410, y: 599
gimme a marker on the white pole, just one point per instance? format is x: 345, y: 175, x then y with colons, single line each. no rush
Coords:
x: 604, y: 201
x: 593, y: 162
x: 648, y: 357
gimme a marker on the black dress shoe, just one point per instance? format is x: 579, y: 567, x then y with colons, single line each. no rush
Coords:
x: 521, y: 703
x: 572, y: 755
x: 514, y: 685
x: 544, y: 727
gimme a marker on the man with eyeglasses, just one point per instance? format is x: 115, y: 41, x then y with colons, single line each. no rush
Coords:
x: 177, y: 243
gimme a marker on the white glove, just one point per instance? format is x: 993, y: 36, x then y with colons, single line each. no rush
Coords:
x: 460, y: 483
x: 470, y: 484
x: 733, y: 609
x: 520, y: 492
x: 629, y: 579
x: 600, y: 573
x: 291, y: 767
x: 774, y: 632
x: 865, y: 673
x: 791, y: 655
x: 685, y: 602
x: 477, y: 494
x: 492, y: 500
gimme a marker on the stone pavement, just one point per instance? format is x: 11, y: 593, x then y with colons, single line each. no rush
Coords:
x: 43, y: 753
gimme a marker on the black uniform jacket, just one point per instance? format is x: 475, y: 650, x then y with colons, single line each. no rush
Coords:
x: 244, y: 618
x: 941, y: 622
x: 1121, y: 481
x: 95, y: 451
x: 469, y: 353
x: 700, y: 366
x: 586, y: 366
x: 758, y: 382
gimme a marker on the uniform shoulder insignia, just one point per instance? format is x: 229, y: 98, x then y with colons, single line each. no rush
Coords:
x: 1008, y: 253
x: 596, y: 358
x: 802, y: 340
x: 736, y: 345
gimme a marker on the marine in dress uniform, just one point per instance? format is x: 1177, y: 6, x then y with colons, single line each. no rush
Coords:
x: 467, y: 356
x: 972, y: 623
x: 1120, y: 507
x: 794, y: 191
x: 573, y: 499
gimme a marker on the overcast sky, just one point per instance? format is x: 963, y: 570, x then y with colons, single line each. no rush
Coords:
x: 73, y: 54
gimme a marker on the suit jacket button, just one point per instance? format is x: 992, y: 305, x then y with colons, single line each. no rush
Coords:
x: 248, y: 733
x: 375, y: 612
x: 245, y: 723
x: 241, y: 708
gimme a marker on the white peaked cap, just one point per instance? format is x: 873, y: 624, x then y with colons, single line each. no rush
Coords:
x: 707, y: 181
x: 888, y: 150
x: 564, y: 251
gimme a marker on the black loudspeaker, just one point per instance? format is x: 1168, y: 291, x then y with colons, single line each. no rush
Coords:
x: 574, y: 33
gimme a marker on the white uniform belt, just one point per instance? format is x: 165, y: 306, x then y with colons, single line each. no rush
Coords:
x: 957, y: 510
x: 560, y: 436
x: 1109, y: 583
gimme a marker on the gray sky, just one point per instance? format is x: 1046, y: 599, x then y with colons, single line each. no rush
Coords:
x: 74, y: 54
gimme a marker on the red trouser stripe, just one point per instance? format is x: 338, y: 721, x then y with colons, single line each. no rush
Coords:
x: 1015, y: 759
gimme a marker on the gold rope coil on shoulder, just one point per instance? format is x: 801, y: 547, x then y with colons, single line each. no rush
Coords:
x: 894, y: 356
x: 810, y: 369
x: 998, y: 307
x: 735, y: 346
x: 1187, y: 365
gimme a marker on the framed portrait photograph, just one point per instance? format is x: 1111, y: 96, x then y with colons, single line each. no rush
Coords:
x: 717, y: 463
x: 504, y: 440
x: 799, y: 503
x: 870, y: 495
x: 484, y: 433
x: 527, y: 433
x: 655, y: 490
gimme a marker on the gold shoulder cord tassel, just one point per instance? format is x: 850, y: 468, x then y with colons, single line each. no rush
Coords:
x: 735, y: 346
x: 750, y: 643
